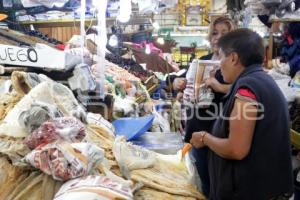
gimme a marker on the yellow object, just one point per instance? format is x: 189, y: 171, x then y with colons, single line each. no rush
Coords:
x: 3, y: 16
x: 177, y: 56
x: 295, y: 138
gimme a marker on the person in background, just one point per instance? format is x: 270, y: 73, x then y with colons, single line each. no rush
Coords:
x: 172, y: 87
x: 218, y: 28
x: 249, y: 146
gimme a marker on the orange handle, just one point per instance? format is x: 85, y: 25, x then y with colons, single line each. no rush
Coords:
x: 186, y: 148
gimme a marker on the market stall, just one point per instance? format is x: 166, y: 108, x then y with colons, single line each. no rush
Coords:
x: 94, y: 96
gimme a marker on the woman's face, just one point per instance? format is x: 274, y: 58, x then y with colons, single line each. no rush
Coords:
x: 219, y: 30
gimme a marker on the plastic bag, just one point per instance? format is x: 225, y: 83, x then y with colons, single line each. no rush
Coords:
x: 93, y: 188
x: 47, y: 92
x: 97, y: 119
x: 67, y: 129
x: 66, y: 161
x: 23, y: 82
x: 39, y: 112
x: 160, y: 123
x: 131, y: 156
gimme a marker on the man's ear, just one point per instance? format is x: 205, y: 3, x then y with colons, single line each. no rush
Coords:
x: 235, y: 58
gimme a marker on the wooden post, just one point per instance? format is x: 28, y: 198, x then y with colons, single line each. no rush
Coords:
x: 274, y: 28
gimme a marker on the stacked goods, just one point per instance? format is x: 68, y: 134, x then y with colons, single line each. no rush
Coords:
x: 45, y: 141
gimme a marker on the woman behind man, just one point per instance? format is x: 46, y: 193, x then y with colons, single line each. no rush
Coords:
x: 249, y: 146
x: 218, y: 28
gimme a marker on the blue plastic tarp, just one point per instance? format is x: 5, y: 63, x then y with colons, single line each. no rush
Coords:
x: 131, y: 127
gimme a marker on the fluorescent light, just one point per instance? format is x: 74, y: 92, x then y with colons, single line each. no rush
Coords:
x: 123, y: 19
x: 125, y: 11
x: 94, y: 2
x: 160, y: 40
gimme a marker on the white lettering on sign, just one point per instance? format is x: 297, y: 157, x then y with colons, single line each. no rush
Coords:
x: 33, y: 57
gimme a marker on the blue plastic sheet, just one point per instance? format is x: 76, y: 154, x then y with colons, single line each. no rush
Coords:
x: 131, y: 127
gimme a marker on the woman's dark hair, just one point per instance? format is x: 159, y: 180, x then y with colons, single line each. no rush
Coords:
x: 247, y: 44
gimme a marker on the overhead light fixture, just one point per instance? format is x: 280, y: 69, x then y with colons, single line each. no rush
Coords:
x: 59, y: 4
x: 160, y: 40
x: 125, y: 11
x: 95, y: 2
x: 155, y: 25
x: 123, y: 19
x: 147, y: 49
x: 113, y: 41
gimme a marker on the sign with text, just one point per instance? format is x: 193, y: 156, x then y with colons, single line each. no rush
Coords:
x: 42, y: 57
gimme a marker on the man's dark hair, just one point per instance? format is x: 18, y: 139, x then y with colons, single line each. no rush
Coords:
x: 247, y: 44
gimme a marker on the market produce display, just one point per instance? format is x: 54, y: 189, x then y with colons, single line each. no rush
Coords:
x: 78, y: 78
x: 41, y: 156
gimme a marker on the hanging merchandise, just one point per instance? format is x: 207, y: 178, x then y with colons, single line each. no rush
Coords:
x: 276, y: 8
x: 256, y: 7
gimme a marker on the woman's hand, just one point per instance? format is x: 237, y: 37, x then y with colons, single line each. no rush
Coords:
x: 213, y: 83
x: 198, y: 139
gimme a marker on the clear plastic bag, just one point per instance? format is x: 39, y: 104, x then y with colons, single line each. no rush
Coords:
x: 66, y: 161
x: 67, y: 129
x: 130, y: 156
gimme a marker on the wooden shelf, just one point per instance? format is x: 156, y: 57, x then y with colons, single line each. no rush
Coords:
x: 135, y: 20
